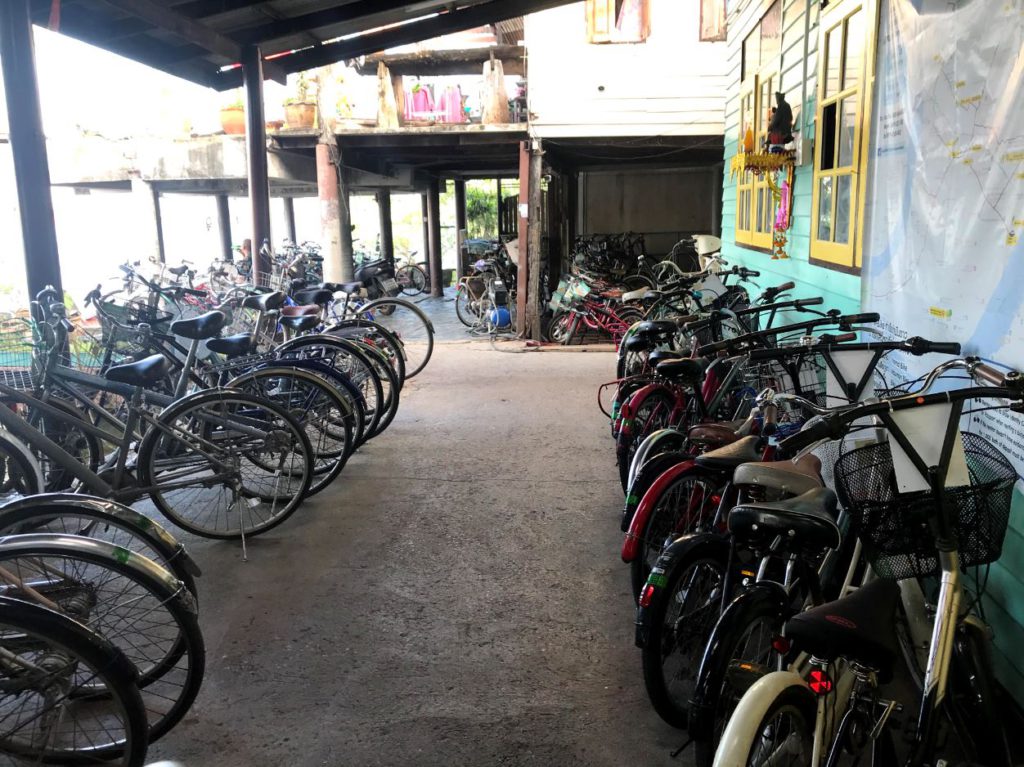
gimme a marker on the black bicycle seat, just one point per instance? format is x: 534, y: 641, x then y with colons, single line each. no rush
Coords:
x: 237, y: 345
x: 177, y: 271
x: 145, y: 372
x: 300, y: 323
x: 658, y: 356
x: 265, y: 302
x: 808, y: 520
x: 318, y: 296
x: 639, y: 343
x: 342, y: 287
x: 685, y: 370
x: 743, y: 450
x: 656, y: 328
x: 858, y: 626
x: 204, y: 326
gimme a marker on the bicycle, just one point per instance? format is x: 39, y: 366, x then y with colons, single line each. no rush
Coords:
x: 953, y: 514
x: 412, y: 276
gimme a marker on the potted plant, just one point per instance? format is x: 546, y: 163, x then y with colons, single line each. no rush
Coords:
x: 232, y: 117
x: 300, y: 112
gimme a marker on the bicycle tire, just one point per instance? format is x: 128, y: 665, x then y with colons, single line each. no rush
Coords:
x: 665, y: 523
x: 796, y: 703
x: 646, y: 411
x: 317, y: 405
x: 410, y: 332
x: 562, y: 328
x: 79, y: 443
x: 224, y: 416
x: 46, y: 632
x: 412, y: 279
x: 692, y: 583
x: 99, y: 518
x: 20, y: 473
x: 464, y: 308
x: 376, y: 335
x: 114, y: 592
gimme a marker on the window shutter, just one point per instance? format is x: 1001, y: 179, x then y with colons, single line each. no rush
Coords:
x: 600, y: 20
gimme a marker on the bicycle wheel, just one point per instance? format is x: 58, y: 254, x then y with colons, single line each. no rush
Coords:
x: 686, y: 505
x: 325, y: 415
x: 370, y: 333
x: 680, y: 619
x: 127, y: 599
x: 49, y: 661
x: 466, y: 308
x: 20, y: 473
x: 412, y: 279
x: 226, y: 464
x: 785, y: 735
x: 409, y: 324
x: 63, y: 430
x: 98, y: 518
x: 562, y: 328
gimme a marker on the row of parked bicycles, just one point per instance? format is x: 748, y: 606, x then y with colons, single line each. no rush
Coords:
x: 809, y: 536
x: 218, y: 412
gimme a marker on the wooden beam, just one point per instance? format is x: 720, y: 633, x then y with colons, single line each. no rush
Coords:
x: 427, y: 28
x: 467, y: 61
x: 341, y: 14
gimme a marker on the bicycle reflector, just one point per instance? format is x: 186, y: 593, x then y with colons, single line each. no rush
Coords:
x: 781, y: 645
x: 820, y: 682
x: 647, y: 595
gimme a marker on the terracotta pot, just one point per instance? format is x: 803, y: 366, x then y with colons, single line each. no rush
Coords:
x: 232, y: 120
x: 300, y: 116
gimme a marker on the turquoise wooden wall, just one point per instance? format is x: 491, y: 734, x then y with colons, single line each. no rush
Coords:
x: 1004, y: 606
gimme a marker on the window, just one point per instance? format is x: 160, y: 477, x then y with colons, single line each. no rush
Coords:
x: 845, y: 71
x: 759, y: 72
x: 712, y: 21
x: 618, y: 21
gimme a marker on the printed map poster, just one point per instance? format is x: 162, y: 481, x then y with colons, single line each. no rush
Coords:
x: 944, y: 249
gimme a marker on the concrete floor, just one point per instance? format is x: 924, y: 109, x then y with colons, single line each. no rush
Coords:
x: 455, y: 598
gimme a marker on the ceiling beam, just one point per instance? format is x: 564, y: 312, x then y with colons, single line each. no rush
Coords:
x: 457, y: 62
x: 428, y: 28
x: 341, y: 14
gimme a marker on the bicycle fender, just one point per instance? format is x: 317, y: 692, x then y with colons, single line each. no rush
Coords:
x: 631, y: 405
x: 734, y: 748
x: 654, y: 443
x: 761, y: 599
x: 683, y: 548
x: 631, y: 546
x: 650, y: 471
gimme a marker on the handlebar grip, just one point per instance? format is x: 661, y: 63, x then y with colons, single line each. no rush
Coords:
x: 839, y: 338
x: 804, y: 302
x: 194, y: 292
x: 751, y: 273
x: 858, y: 319
x: 918, y: 346
x: 784, y: 287
x: 816, y: 429
x: 988, y: 374
x: 49, y: 290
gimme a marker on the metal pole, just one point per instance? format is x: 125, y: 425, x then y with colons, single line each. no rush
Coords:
x: 28, y: 146
x: 256, y: 145
x: 426, y: 228
x: 289, y: 219
x: 434, y: 225
x: 224, y: 226
x: 461, y: 226
x: 387, y: 235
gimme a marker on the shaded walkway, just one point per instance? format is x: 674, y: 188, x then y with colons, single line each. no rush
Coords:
x: 455, y: 598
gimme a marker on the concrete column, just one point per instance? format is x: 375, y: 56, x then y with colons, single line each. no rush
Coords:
x: 329, y: 190
x: 256, y: 147
x: 387, y: 236
x: 28, y: 145
x: 146, y: 204
x: 535, y: 238
x: 523, y: 277
x: 345, y: 220
x: 224, y: 226
x: 289, y: 218
x: 425, y: 206
x: 460, y: 223
x: 434, y: 227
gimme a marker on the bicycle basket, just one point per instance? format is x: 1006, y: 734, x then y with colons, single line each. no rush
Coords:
x: 132, y: 312
x: 893, y: 526
x: 807, y: 378
x: 17, y: 343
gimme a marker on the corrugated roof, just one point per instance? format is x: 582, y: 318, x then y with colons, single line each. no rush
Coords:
x: 201, y: 40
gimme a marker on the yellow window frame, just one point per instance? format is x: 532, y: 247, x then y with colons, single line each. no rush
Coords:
x: 828, y: 251
x: 745, y: 181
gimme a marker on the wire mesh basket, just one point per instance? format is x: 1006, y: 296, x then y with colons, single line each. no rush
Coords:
x: 135, y: 311
x: 893, y: 526
x: 18, y: 343
x: 803, y: 376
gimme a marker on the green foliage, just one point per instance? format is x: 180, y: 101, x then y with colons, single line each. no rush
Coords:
x: 481, y: 212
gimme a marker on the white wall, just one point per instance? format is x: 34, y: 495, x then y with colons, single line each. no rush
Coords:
x: 672, y: 84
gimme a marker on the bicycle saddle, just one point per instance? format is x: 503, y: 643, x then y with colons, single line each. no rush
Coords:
x: 237, y: 345
x: 299, y: 323
x: 307, y: 310
x: 198, y: 328
x: 714, y: 435
x: 640, y: 342
x: 265, y: 302
x: 177, y: 271
x: 685, y: 371
x: 858, y: 626
x: 743, y: 450
x: 342, y: 287
x: 145, y: 372
x: 656, y: 328
x: 785, y: 476
x: 808, y: 520
x: 318, y: 296
x: 634, y: 295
